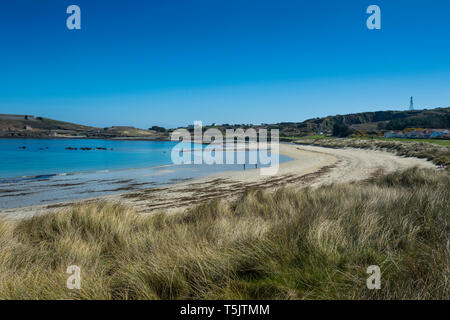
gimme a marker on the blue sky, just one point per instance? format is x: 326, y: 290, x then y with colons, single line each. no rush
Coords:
x: 170, y: 62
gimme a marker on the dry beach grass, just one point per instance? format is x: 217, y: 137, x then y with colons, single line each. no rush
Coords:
x: 289, y: 244
x: 438, y: 154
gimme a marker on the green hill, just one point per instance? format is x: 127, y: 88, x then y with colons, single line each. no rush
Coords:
x: 26, y: 126
x: 369, y: 122
x: 438, y: 118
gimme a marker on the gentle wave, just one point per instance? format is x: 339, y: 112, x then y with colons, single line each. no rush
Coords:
x: 51, y: 175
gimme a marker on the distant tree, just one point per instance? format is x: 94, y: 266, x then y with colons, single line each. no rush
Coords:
x: 157, y: 129
x: 438, y: 121
x: 341, y: 130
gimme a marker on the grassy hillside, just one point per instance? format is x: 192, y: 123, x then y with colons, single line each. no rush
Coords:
x: 42, y: 124
x: 438, y: 118
x: 44, y: 127
x: 291, y: 244
x: 371, y: 122
x: 397, y: 120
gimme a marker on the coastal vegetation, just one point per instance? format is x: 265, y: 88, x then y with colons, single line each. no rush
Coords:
x: 341, y: 130
x: 438, y: 154
x: 284, y: 244
x: 358, y: 124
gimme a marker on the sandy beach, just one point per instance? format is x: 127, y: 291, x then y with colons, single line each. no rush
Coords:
x: 310, y: 166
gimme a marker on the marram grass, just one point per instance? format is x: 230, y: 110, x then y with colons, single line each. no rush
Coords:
x: 438, y: 154
x: 288, y: 244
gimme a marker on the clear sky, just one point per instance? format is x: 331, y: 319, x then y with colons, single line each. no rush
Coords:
x: 170, y: 62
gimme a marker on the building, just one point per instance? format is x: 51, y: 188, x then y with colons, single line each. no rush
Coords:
x: 393, y: 134
x: 440, y: 133
x: 419, y: 134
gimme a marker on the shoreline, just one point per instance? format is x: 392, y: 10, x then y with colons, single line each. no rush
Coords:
x: 87, y: 138
x: 310, y: 166
x: 42, y: 208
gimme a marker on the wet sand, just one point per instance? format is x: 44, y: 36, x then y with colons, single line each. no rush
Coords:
x: 310, y: 166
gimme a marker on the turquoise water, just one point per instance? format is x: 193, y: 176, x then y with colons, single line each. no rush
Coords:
x: 44, y: 171
x: 49, y: 156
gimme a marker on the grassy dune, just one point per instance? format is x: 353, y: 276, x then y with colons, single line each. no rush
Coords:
x: 288, y: 244
x: 438, y: 154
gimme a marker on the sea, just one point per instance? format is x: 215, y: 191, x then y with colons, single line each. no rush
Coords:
x: 46, y: 171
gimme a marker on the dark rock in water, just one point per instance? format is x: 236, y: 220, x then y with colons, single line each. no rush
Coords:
x: 23, y: 147
x: 100, y: 148
x: 41, y: 148
x: 85, y: 148
x: 70, y: 148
